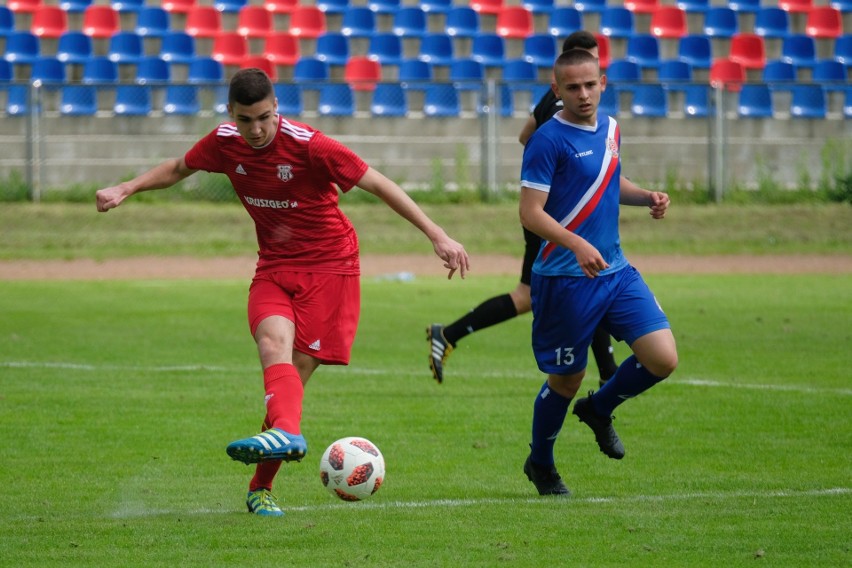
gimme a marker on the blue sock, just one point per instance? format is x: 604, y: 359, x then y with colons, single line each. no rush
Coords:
x: 549, y: 413
x: 631, y: 379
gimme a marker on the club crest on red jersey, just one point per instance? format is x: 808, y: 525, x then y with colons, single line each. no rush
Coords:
x: 285, y: 173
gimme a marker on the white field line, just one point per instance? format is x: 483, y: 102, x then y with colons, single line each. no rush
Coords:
x: 696, y: 382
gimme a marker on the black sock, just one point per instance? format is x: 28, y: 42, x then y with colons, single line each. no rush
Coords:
x: 602, y: 351
x: 492, y: 311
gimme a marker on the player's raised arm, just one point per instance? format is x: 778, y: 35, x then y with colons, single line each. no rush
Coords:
x: 162, y: 176
x: 450, y: 251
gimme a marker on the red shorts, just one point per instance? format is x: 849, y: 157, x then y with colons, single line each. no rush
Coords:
x: 324, y: 307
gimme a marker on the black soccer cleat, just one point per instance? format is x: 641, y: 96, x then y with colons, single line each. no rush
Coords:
x: 439, y: 350
x: 605, y: 434
x: 545, y: 478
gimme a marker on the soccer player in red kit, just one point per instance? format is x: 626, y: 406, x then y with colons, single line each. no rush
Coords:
x: 304, y: 300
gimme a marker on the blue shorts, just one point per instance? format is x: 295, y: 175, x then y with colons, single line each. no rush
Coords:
x: 567, y: 309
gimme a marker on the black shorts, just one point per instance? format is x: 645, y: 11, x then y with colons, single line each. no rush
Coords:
x: 532, y: 243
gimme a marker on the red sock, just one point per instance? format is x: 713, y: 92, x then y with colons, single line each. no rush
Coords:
x: 284, y: 394
x: 264, y: 473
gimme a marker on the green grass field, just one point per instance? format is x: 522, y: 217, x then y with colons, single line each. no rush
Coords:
x: 118, y: 398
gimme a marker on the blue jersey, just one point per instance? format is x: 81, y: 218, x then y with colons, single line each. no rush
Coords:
x: 578, y: 167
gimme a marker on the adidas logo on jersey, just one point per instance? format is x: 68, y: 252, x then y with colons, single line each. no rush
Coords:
x: 241, y: 170
x: 315, y: 345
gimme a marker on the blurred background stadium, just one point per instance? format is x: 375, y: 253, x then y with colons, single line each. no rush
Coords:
x: 433, y: 93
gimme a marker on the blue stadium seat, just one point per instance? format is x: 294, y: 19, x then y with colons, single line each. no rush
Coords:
x: 436, y: 6
x: 830, y: 72
x: 617, y: 22
x: 489, y: 49
x: 383, y: 6
x: 539, y: 6
x: 336, y: 99
x: 178, y: 47
x: 697, y: 6
x: 649, y: 100
x: 125, y: 47
x: 7, y: 21
x: 132, y: 100
x: 358, y: 21
x: 74, y: 47
x: 386, y: 48
x: 152, y: 69
x: 441, y: 101
x: 462, y: 21
x: 623, y: 71
x: 609, y: 104
x: 436, y: 49
x: 772, y: 22
x: 333, y: 48
x: 519, y: 71
x: 75, y: 6
x: 22, y: 47
x: 389, y: 99
x: 540, y: 50
x: 799, y: 49
x: 152, y: 21
x: 79, y: 100
x: 289, y: 97
x: 674, y: 71
x: 181, y: 100
x: 410, y: 21
x: 565, y: 20
x: 47, y: 70
x: 467, y: 74
x: 100, y: 69
x: 309, y: 70
x: 777, y: 71
x: 591, y: 5
x: 5, y: 71
x: 696, y: 50
x: 843, y: 49
x: 745, y: 6
x: 204, y: 69
x: 847, y: 103
x: 18, y: 100
x: 696, y: 101
x: 808, y: 101
x: 414, y: 73
x: 229, y: 6
x: 131, y: 6
x: 644, y: 50
x: 333, y: 6
x: 721, y: 22
x: 755, y: 101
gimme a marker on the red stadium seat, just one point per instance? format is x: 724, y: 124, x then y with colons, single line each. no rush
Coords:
x: 668, y: 22
x: 748, y: 50
x: 642, y: 6
x: 824, y: 22
x: 254, y: 21
x: 728, y: 74
x: 307, y: 22
x: 261, y: 62
x: 49, y: 21
x: 281, y: 6
x: 362, y: 73
x: 178, y: 6
x: 24, y: 6
x: 603, y: 50
x: 515, y: 22
x: 230, y: 48
x: 100, y: 21
x: 203, y: 21
x: 487, y: 6
x: 282, y: 48
x: 797, y: 6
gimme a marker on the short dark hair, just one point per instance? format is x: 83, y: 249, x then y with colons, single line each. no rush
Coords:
x: 576, y: 56
x: 580, y: 40
x: 249, y: 86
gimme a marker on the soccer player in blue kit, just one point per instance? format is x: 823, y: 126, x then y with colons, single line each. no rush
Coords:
x: 571, y: 189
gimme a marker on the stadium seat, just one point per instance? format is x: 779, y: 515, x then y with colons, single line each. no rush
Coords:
x: 47, y: 70
x: 514, y: 22
x: 591, y: 6
x: 78, y: 100
x: 603, y: 50
x: 74, y: 47
x: 307, y: 22
x: 230, y: 6
x: 333, y: 48
x: 799, y: 49
x: 693, y: 6
x: 436, y: 49
x: 565, y: 20
x: 441, y: 101
x: 100, y: 69
x: 643, y: 49
x: 808, y: 101
x: 796, y: 6
x: 362, y: 73
x: 847, y: 103
x: 668, y: 22
x: 771, y: 22
x: 779, y: 72
x: 75, y: 6
x: 641, y: 6
x: 100, y: 21
x: 623, y: 71
x: 18, y: 100
x: 282, y: 48
x: 24, y: 6
x: 132, y: 100
x: 843, y: 49
x: 386, y: 48
x: 177, y: 47
x: 7, y: 21
x: 824, y: 22
x: 22, y: 47
x: 519, y: 71
x: 755, y: 101
x: 127, y: 6
x: 489, y: 49
x: 696, y: 101
x: 178, y: 6
x: 332, y: 6
x: 261, y: 62
x: 203, y: 21
x: 617, y: 22
x: 610, y: 104
x: 673, y: 71
x: 540, y: 50
x: 49, y: 21
x: 436, y: 6
x: 491, y: 7
x: 205, y: 70
x: 152, y: 69
x: 720, y: 22
x: 152, y: 21
x: 462, y: 21
x: 280, y: 6
x: 336, y: 99
x: 649, y: 100
x: 745, y: 6
x: 728, y: 74
x: 389, y: 100
x: 358, y: 21
x: 310, y: 70
x: 254, y: 22
x: 125, y: 47
x: 230, y: 48
x: 539, y: 6
x: 467, y: 74
x: 842, y: 5
x: 5, y: 71
x: 410, y: 21
x: 181, y: 100
x: 385, y: 7
x: 748, y: 50
x: 414, y: 73
x: 696, y: 50
x: 289, y: 97
x: 830, y: 71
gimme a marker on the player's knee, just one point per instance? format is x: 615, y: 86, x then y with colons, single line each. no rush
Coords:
x: 521, y: 298
x: 663, y: 365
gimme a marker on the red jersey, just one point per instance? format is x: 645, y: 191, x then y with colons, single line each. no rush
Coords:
x: 289, y: 187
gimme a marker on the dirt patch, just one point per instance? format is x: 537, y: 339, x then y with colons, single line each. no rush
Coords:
x: 417, y: 265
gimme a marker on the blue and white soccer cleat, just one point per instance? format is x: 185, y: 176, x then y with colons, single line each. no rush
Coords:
x: 262, y: 502
x: 273, y: 444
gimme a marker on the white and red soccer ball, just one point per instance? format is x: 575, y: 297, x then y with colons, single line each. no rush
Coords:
x: 352, y: 468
